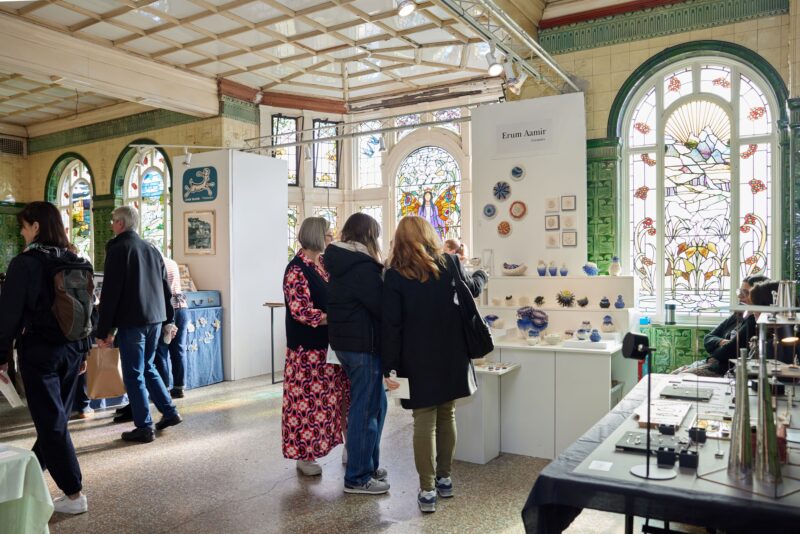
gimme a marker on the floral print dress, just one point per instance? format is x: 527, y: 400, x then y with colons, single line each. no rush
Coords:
x: 316, y: 395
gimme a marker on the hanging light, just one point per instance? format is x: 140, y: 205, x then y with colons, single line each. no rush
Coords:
x: 508, y: 68
x: 308, y: 153
x: 382, y: 144
x: 495, y: 68
x: 516, y: 85
x: 187, y: 157
x: 406, y: 7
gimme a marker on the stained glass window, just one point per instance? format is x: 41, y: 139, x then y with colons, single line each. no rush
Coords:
x: 370, y: 149
x: 406, y: 120
x: 446, y: 115
x: 147, y: 190
x: 284, y: 130
x: 687, y: 169
x: 328, y: 213
x: 429, y: 185
x: 75, y: 205
x: 293, y: 218
x: 376, y: 212
x: 326, y: 154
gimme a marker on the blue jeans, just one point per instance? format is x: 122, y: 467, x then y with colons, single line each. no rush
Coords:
x: 366, y: 415
x: 137, y: 350
x: 174, y: 354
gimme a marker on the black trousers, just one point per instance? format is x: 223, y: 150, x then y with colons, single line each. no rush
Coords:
x: 50, y: 374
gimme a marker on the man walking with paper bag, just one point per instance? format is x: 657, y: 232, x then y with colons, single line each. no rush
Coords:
x: 136, y: 301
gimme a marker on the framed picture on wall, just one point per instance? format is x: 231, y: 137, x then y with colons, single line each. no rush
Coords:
x: 568, y: 203
x: 552, y: 222
x: 199, y: 232
x: 568, y: 222
x: 569, y: 239
x: 551, y: 204
x: 551, y: 241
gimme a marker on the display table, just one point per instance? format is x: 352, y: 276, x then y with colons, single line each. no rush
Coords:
x: 25, y: 503
x: 203, y: 347
x: 573, y: 482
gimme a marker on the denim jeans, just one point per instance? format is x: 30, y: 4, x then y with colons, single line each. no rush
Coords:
x: 174, y: 355
x: 366, y: 415
x: 137, y: 350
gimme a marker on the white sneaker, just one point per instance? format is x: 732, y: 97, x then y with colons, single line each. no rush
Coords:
x: 344, y: 455
x: 309, y: 469
x: 65, y: 505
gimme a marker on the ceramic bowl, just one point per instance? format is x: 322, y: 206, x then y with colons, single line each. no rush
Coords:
x: 475, y: 262
x: 552, y: 339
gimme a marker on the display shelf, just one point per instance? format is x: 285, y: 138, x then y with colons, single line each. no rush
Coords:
x: 484, y: 368
x: 568, y: 277
x: 511, y: 343
x: 551, y: 310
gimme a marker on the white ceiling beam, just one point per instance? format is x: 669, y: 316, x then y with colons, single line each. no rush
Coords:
x: 32, y: 50
x: 106, y: 113
x: 13, y: 129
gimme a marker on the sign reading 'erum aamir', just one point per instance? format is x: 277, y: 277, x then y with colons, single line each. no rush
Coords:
x: 524, y: 137
x: 200, y: 184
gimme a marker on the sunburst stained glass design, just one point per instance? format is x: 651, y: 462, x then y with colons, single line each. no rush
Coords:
x: 326, y: 154
x: 329, y: 213
x: 429, y: 185
x: 147, y: 190
x: 293, y: 217
x: 755, y: 197
x: 370, y: 156
x: 75, y: 205
x: 676, y: 85
x: 643, y: 122
x: 697, y: 200
x: 446, y: 115
x: 284, y: 130
x: 406, y: 120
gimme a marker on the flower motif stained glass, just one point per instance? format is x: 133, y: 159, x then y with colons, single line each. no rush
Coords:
x: 754, y: 113
x: 147, y: 190
x: 755, y: 197
x: 370, y: 156
x: 328, y: 213
x: 284, y: 130
x: 716, y: 79
x: 643, y: 232
x: 429, y: 185
x: 676, y: 85
x: 75, y: 203
x: 326, y: 154
x: 449, y: 114
x: 643, y: 122
x: 293, y: 217
x: 406, y: 120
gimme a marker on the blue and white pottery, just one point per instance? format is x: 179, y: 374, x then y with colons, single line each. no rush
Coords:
x: 604, y: 302
x: 590, y: 268
x: 541, y: 268
x: 594, y: 336
x: 523, y: 325
x: 502, y: 190
x: 517, y: 172
x: 581, y: 334
x: 489, y: 211
x: 564, y: 271
x: 619, y: 303
x: 553, y: 269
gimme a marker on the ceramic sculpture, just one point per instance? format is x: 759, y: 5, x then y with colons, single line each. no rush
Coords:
x: 494, y: 321
x: 619, y: 303
x: 583, y: 302
x: 565, y: 298
x: 569, y: 334
x: 552, y: 268
x: 541, y: 268
x: 608, y: 324
x: 504, y: 228
x: 590, y: 268
x: 539, y: 301
x: 510, y: 300
x: 517, y: 210
x: 552, y: 339
x: 489, y: 211
x: 501, y: 190
x: 524, y: 301
x: 497, y: 301
x: 614, y: 268
x: 581, y: 334
x: 605, y: 303
x: 514, y: 269
x: 594, y: 336
x: 564, y: 271
x: 523, y: 325
x: 533, y: 336
x: 517, y: 172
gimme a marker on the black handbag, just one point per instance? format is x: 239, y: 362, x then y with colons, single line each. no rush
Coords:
x: 476, y: 331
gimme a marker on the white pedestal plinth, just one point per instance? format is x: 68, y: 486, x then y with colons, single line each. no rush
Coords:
x: 478, y: 422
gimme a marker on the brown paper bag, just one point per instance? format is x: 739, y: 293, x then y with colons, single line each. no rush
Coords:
x: 104, y: 374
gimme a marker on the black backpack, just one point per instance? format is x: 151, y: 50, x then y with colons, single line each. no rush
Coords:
x: 64, y: 309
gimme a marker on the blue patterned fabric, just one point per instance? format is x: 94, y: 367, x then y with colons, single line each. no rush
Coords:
x: 204, y: 347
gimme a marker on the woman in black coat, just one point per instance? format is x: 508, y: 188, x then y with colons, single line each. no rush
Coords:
x: 354, y: 314
x: 423, y: 340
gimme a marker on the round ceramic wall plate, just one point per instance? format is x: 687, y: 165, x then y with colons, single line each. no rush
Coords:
x: 517, y: 172
x: 502, y: 190
x: 489, y: 211
x: 504, y: 228
x: 518, y: 210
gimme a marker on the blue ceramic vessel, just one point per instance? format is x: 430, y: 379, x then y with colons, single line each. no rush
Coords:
x: 619, y: 303
x: 594, y: 336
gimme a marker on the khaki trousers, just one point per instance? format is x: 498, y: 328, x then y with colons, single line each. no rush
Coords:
x: 434, y: 434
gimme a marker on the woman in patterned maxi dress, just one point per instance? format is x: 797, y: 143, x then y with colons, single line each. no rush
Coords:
x: 314, y: 392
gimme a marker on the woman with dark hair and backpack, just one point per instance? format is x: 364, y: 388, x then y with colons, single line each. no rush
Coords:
x: 49, y: 368
x: 354, y: 323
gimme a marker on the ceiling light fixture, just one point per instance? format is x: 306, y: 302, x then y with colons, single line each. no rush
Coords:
x: 495, y: 68
x: 308, y: 153
x: 516, y: 85
x: 187, y: 157
x: 406, y: 7
x: 382, y: 144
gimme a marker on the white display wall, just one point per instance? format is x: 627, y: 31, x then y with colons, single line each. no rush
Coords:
x: 249, y: 259
x: 546, y: 137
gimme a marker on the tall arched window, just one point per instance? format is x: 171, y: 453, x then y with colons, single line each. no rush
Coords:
x: 699, y: 159
x: 75, y: 193
x: 147, y: 183
x: 429, y: 185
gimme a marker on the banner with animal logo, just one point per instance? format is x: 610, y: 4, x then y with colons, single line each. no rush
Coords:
x: 200, y: 184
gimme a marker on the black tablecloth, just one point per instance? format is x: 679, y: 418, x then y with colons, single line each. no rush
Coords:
x: 559, y: 495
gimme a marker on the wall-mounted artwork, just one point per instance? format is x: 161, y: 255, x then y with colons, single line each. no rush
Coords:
x: 501, y: 191
x: 568, y: 222
x: 200, y: 184
x: 568, y: 203
x: 552, y: 222
x: 569, y: 239
x: 489, y: 211
x: 504, y: 228
x: 199, y: 233
x: 518, y: 210
x: 551, y: 204
x: 517, y: 172
x: 551, y: 241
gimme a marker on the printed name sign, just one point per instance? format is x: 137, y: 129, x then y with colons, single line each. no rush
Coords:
x: 525, y: 137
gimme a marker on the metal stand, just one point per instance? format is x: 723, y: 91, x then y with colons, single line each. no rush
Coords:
x: 272, y: 306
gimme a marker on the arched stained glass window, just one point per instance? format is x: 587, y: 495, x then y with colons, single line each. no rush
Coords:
x: 370, y: 156
x: 146, y: 188
x: 699, y: 148
x: 429, y: 185
x: 75, y: 204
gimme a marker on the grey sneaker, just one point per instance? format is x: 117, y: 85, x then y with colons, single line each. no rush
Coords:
x: 370, y: 487
x: 427, y: 500
x: 444, y: 486
x: 380, y: 474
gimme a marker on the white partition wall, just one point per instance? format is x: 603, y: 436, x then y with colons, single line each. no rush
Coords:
x: 249, y: 252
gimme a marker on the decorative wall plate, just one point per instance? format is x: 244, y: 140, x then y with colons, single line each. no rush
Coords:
x: 501, y: 191
x: 489, y: 211
x: 504, y: 228
x: 517, y: 172
x: 518, y: 210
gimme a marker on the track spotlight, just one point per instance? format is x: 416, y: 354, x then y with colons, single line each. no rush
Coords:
x: 495, y: 68
x: 308, y: 153
x: 382, y: 144
x: 508, y: 67
x: 515, y: 86
x: 187, y: 157
x: 140, y: 156
x: 406, y: 7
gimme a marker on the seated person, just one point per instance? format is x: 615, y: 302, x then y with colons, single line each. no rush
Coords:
x: 761, y: 295
x: 732, y: 333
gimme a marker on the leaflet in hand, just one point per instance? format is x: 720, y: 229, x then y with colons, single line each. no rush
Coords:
x: 403, y: 392
x: 8, y: 391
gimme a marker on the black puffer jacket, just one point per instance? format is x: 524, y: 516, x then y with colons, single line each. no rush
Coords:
x: 354, y: 299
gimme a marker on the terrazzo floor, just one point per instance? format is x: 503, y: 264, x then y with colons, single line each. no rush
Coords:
x: 222, y: 471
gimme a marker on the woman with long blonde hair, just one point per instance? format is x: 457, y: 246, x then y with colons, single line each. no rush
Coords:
x: 423, y: 340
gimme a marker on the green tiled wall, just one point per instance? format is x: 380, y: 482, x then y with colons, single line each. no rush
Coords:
x: 11, y: 243
x: 102, y: 234
x: 602, y: 163
x: 675, y: 345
